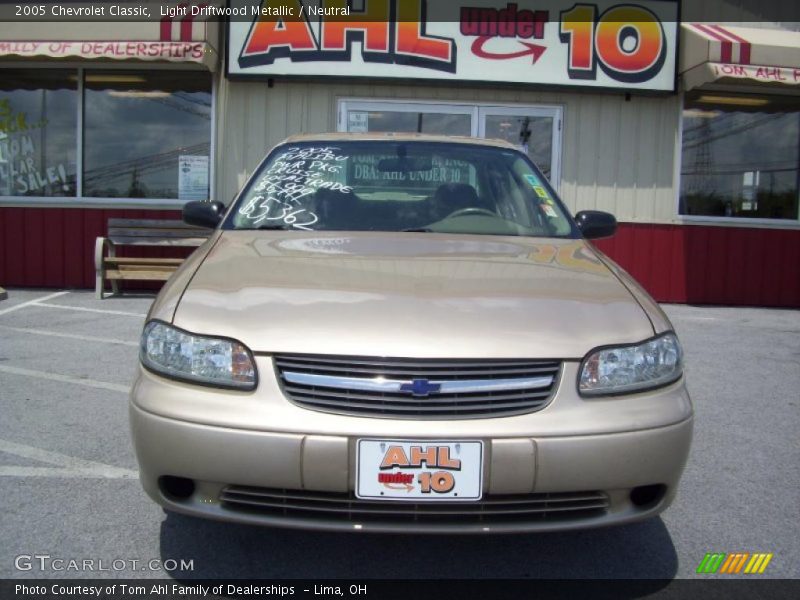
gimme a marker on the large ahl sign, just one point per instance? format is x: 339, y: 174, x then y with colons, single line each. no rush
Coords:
x: 609, y: 44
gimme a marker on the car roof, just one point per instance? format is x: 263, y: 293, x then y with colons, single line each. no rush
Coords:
x: 398, y: 137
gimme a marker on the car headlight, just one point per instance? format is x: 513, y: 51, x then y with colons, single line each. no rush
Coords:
x: 179, y: 354
x: 633, y: 368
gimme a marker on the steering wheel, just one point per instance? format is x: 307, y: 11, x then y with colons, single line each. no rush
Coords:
x: 472, y: 210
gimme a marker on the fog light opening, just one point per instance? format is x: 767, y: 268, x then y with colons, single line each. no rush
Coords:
x: 646, y: 496
x: 176, y: 488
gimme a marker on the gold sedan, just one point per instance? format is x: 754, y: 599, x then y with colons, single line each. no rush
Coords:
x: 411, y: 334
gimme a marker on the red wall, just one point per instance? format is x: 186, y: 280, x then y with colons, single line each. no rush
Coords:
x: 47, y: 247
x: 54, y: 247
x: 700, y: 264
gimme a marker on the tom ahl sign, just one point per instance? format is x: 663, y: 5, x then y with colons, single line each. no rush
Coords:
x: 603, y: 43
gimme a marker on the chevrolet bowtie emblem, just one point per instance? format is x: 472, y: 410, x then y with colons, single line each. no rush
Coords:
x: 421, y: 388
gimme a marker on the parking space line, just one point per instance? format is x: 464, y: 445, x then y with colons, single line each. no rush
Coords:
x: 696, y: 319
x: 30, y: 302
x: 68, y: 466
x: 92, y: 310
x: 65, y: 473
x: 72, y: 336
x: 103, y: 385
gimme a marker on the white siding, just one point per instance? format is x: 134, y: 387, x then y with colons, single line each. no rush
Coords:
x: 617, y: 155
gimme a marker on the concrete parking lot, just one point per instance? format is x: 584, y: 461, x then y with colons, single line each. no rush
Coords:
x: 70, y: 488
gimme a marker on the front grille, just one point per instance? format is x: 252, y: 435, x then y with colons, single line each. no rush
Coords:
x: 403, y: 387
x: 346, y: 508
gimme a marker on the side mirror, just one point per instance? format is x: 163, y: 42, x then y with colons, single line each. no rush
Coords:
x: 596, y: 224
x: 203, y: 214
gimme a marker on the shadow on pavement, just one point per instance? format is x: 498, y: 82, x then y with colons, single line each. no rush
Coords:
x: 221, y: 550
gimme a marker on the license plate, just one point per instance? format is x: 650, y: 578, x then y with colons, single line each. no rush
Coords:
x: 419, y: 470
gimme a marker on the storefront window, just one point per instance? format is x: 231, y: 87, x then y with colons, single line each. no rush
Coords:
x: 38, y: 132
x: 147, y: 134
x: 741, y: 156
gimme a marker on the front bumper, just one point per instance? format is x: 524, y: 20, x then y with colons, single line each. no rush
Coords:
x: 306, y: 479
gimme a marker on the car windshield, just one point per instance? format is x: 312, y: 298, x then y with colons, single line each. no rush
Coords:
x: 401, y: 186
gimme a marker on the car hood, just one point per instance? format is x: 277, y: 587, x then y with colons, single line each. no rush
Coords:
x: 409, y: 295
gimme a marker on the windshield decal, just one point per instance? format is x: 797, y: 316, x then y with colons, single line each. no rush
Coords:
x: 366, y: 171
x: 533, y: 180
x: 543, y: 194
x: 549, y: 211
x: 313, y: 154
x: 548, y: 202
x: 540, y: 191
x: 260, y: 209
x: 295, y: 176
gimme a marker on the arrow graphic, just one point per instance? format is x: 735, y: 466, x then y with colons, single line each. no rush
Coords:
x: 533, y: 50
x: 408, y: 487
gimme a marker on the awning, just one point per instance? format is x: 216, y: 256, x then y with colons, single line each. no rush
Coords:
x: 738, y: 55
x: 201, y: 53
x: 166, y: 41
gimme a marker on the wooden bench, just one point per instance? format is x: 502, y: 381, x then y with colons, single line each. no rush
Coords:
x: 162, y: 233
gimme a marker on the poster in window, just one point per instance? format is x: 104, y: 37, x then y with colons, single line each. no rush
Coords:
x: 193, y: 177
x: 357, y: 122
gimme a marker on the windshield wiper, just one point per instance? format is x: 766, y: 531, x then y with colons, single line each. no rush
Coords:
x: 417, y: 230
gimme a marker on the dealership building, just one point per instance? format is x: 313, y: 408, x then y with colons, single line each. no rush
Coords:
x: 681, y: 120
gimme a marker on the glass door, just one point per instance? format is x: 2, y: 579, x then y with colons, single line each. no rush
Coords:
x: 536, y: 130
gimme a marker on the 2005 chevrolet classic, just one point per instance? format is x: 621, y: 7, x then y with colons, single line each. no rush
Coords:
x: 407, y: 333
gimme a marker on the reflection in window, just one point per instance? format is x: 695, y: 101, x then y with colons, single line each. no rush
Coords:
x: 409, y: 122
x: 38, y: 132
x: 740, y: 156
x: 534, y: 134
x: 147, y: 134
